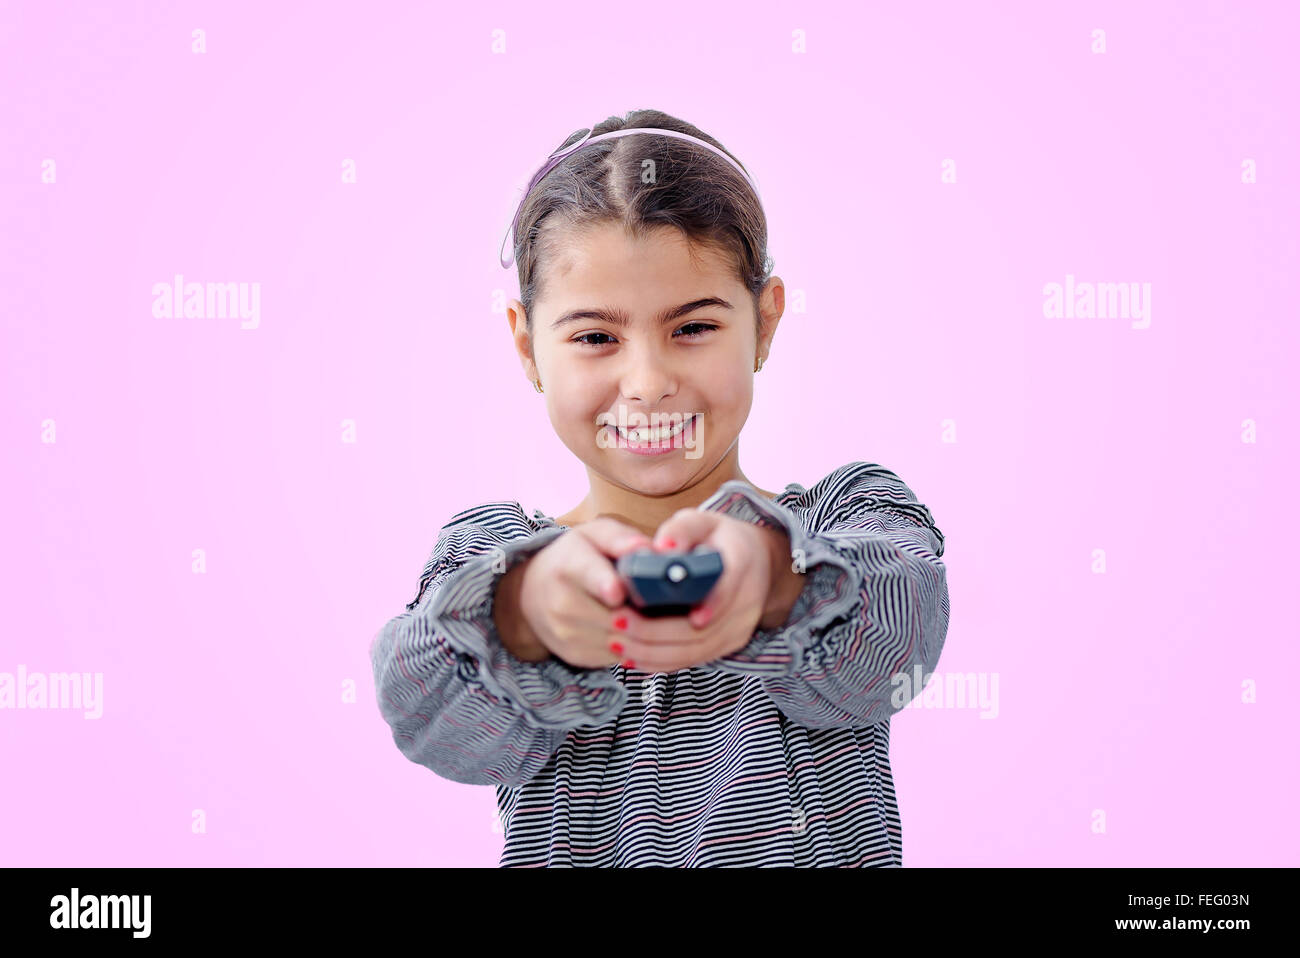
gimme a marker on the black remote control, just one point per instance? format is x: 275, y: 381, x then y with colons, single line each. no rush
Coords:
x: 669, y: 583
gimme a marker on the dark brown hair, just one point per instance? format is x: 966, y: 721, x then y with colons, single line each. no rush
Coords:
x: 695, y: 191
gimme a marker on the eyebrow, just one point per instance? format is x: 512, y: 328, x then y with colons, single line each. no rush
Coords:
x: 619, y: 317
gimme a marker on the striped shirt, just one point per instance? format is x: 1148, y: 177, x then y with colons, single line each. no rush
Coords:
x: 775, y: 755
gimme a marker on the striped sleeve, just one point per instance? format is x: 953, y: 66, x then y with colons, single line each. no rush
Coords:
x: 457, y: 700
x: 875, y: 603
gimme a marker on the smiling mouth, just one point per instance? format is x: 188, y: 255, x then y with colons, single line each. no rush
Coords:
x: 646, y: 435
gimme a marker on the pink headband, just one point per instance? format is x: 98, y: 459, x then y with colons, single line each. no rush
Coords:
x: 588, y: 138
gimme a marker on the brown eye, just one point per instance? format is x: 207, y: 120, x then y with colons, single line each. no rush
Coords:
x: 701, y: 327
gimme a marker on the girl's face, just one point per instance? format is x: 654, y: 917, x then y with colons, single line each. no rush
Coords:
x: 641, y: 333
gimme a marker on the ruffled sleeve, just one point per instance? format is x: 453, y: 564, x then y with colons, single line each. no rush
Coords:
x: 874, y: 607
x: 458, y: 701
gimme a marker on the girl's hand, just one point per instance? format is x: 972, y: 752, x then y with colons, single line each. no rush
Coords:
x: 570, y: 586
x: 725, y: 621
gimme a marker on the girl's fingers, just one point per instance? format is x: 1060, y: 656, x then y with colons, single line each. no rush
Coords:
x: 703, y: 614
x: 663, y: 657
x: 606, y: 585
x: 720, y: 601
x: 672, y: 630
x: 598, y: 575
x: 684, y: 530
x: 658, y: 665
x: 645, y: 656
x: 613, y: 538
x: 668, y: 629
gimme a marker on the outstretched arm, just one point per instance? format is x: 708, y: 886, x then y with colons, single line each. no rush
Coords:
x: 458, y: 701
x: 874, y: 603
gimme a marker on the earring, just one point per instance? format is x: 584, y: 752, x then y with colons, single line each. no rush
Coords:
x: 537, y: 384
x: 758, y: 364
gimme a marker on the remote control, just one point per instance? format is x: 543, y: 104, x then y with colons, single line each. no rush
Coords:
x: 669, y: 583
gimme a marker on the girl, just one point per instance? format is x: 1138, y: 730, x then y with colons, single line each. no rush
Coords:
x: 753, y: 731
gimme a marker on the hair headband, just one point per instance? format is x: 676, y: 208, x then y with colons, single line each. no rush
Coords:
x: 587, y: 138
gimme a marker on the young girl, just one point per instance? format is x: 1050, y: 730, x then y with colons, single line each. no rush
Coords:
x: 753, y: 731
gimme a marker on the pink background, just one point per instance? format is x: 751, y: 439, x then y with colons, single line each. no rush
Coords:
x: 223, y: 691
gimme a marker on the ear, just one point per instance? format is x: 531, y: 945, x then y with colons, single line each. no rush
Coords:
x: 771, y: 305
x: 518, y: 320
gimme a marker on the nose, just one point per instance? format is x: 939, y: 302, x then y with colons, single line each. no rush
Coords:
x: 648, y: 377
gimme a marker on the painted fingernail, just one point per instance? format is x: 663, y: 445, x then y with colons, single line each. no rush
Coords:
x: 670, y: 544
x: 629, y: 664
x: 616, y: 648
x: 703, y: 615
x: 621, y: 623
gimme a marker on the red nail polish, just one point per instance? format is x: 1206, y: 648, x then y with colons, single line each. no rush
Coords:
x: 616, y: 648
x: 621, y: 623
x: 670, y: 544
x: 629, y: 664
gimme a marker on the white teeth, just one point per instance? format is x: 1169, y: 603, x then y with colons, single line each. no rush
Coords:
x: 646, y: 434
